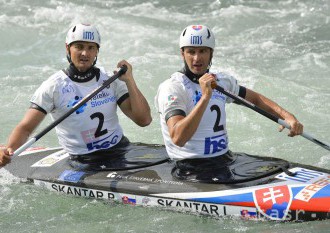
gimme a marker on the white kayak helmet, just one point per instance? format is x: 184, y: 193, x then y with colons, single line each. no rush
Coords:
x: 197, y: 36
x: 83, y: 32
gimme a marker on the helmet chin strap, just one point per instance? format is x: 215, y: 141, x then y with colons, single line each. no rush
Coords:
x: 95, y: 60
x: 69, y: 58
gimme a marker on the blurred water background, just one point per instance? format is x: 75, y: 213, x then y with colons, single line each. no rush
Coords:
x: 279, y: 48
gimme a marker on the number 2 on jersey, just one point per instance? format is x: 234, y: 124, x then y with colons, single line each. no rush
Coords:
x: 217, y: 127
x: 99, y: 131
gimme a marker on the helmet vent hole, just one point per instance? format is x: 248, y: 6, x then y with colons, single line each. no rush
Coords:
x: 74, y: 29
x: 184, y: 32
x: 208, y: 34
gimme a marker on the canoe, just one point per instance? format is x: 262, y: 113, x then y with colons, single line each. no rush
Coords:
x: 259, y: 188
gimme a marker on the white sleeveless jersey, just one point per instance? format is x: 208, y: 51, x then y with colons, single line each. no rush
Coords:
x: 210, y: 138
x: 94, y: 125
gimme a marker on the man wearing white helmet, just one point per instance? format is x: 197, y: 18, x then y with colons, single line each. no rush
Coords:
x: 192, y: 114
x: 94, y: 127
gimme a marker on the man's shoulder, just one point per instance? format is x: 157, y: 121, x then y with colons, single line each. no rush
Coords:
x: 102, y: 70
x: 177, y: 76
x: 105, y: 75
x: 222, y: 74
x: 225, y: 77
x: 57, y: 77
x: 174, y: 80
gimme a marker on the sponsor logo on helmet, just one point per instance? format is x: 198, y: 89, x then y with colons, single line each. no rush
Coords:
x: 196, y: 40
x: 88, y: 35
x: 197, y: 27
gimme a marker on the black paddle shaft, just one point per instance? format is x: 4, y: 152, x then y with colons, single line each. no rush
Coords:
x: 122, y: 71
x: 247, y: 104
x: 268, y: 115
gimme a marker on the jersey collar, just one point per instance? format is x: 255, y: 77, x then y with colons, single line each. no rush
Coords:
x: 81, y: 77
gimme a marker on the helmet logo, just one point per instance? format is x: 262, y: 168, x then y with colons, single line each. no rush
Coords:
x: 197, y: 27
x: 88, y: 35
x: 196, y: 40
x: 197, y: 36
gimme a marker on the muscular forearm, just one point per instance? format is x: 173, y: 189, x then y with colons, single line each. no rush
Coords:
x: 296, y: 128
x: 140, y: 110
x: 183, y: 128
x: 18, y: 137
x: 272, y: 107
x: 24, y: 129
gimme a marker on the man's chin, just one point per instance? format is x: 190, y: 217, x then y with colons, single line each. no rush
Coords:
x: 198, y: 72
x: 83, y: 68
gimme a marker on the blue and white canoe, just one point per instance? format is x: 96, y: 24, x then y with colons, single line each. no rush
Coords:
x: 286, y: 192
